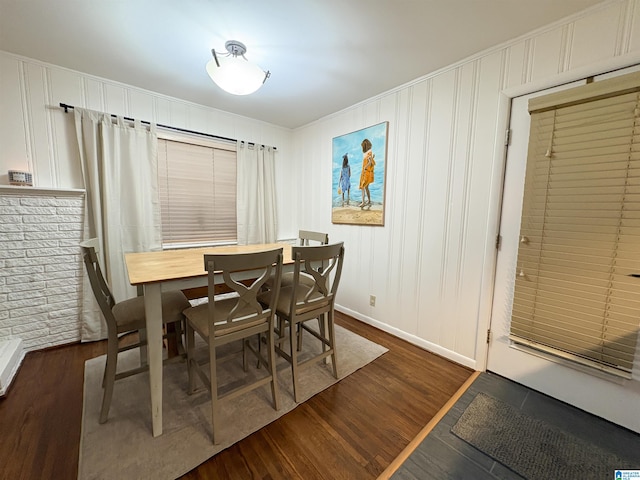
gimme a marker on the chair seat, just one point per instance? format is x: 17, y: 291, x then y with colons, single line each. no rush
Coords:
x: 130, y: 314
x: 198, y: 317
x: 283, y: 307
x: 305, y: 279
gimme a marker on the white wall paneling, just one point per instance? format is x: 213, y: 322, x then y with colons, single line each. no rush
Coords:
x: 36, y: 135
x: 431, y: 266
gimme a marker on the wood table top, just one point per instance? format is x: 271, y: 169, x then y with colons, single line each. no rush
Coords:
x: 150, y: 267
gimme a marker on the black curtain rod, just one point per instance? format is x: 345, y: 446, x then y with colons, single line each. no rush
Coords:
x: 183, y: 130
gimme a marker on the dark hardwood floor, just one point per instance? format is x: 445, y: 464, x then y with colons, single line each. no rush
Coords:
x: 354, y: 429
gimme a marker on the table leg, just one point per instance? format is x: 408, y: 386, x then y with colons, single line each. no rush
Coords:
x: 153, y: 313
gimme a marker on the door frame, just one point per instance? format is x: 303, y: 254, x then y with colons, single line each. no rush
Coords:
x: 494, y: 216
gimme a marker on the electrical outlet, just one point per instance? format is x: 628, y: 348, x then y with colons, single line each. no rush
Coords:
x: 372, y: 300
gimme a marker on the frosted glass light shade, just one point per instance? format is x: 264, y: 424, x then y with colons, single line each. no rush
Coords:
x: 236, y: 75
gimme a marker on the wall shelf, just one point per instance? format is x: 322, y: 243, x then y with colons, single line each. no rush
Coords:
x: 17, y: 190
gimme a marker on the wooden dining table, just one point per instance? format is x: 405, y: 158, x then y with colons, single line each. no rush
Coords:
x: 153, y: 272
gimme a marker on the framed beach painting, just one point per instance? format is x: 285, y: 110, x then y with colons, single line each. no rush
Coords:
x: 359, y: 165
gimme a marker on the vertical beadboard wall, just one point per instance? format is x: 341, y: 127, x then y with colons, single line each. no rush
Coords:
x: 40, y: 266
x: 38, y: 136
x: 431, y: 266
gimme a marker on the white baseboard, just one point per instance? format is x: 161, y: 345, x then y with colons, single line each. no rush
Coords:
x: 420, y: 342
x: 11, y: 356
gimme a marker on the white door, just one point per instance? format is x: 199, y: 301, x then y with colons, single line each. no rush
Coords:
x: 614, y: 399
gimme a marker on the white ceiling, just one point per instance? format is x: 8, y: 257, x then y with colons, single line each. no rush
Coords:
x: 324, y: 55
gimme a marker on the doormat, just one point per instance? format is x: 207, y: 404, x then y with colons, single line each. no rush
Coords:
x: 530, y: 447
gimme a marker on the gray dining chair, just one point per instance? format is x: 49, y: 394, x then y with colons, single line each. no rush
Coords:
x: 235, y: 316
x: 302, y: 301
x: 305, y: 238
x: 126, y: 316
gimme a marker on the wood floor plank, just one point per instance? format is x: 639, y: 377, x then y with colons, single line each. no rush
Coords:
x: 354, y: 429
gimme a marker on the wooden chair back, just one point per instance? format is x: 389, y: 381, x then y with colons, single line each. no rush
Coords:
x: 244, y: 275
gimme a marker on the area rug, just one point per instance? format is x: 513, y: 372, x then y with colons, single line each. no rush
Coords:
x: 124, y: 446
x: 530, y: 447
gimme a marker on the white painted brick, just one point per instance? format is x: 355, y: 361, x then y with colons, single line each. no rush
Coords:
x: 29, y: 244
x: 17, y: 313
x: 48, y: 252
x: 61, y: 236
x: 37, y: 335
x: 62, y: 290
x: 10, y: 254
x: 22, y: 210
x: 8, y: 200
x: 75, y: 219
x: 68, y: 328
x: 9, y: 271
x: 4, y: 219
x: 38, y: 201
x: 65, y: 300
x: 70, y: 241
x: 25, y: 282
x: 20, y: 330
x: 10, y: 227
x: 56, y: 262
x: 71, y: 264
x: 26, y: 295
x: 41, y: 274
x: 37, y: 220
x: 70, y: 202
x: 65, y: 313
x: 68, y: 275
x: 12, y: 236
x: 70, y: 210
x: 51, y: 284
x: 5, y: 333
x: 40, y: 227
x: 72, y: 227
x: 20, y: 289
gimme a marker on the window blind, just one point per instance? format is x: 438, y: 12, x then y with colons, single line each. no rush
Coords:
x: 197, y: 189
x: 580, y: 229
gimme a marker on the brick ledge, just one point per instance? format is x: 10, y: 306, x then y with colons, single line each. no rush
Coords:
x: 16, y: 190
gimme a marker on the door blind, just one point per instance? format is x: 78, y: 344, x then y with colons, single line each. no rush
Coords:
x: 197, y: 187
x: 580, y: 232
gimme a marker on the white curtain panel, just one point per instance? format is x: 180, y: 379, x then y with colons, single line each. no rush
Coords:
x: 122, y: 208
x: 256, y: 194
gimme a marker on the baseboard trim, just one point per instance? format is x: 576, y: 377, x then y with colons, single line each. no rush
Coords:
x: 400, y: 459
x: 413, y: 339
x: 11, y: 357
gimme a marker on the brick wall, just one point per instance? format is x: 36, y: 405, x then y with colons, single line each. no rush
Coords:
x: 40, y: 265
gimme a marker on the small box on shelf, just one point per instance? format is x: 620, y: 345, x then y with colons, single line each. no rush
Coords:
x: 22, y: 179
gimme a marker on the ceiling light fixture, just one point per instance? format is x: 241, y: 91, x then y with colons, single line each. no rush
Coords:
x: 233, y: 72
